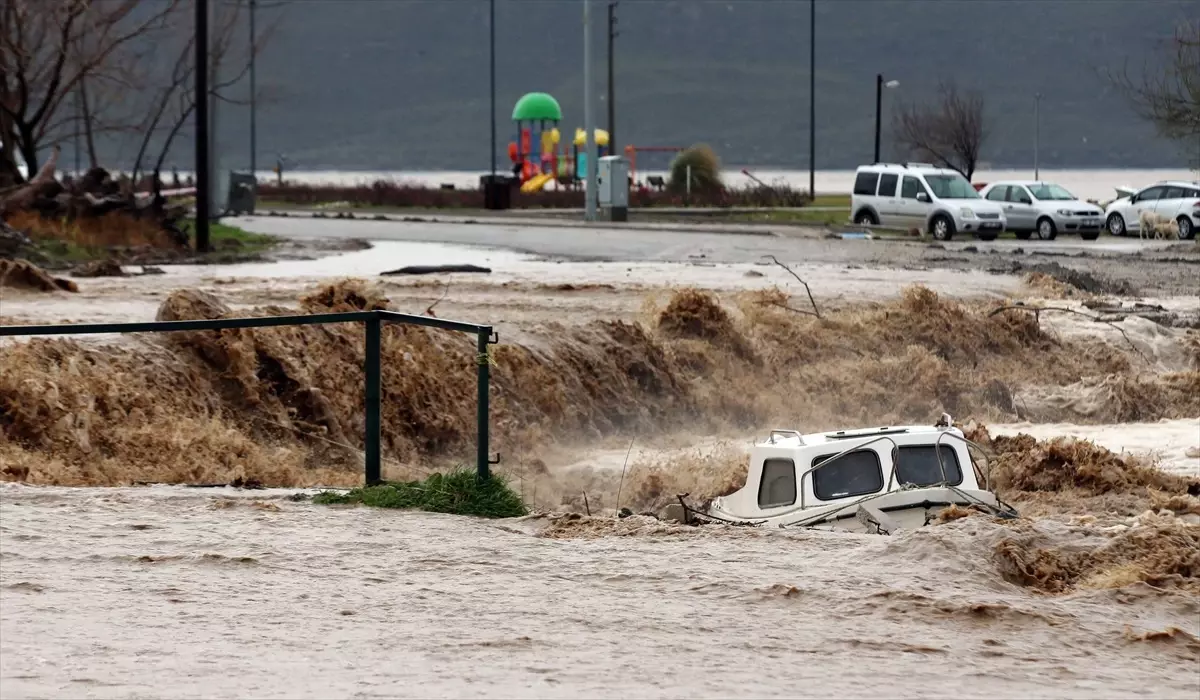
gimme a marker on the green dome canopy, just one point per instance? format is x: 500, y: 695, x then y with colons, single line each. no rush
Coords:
x: 536, y: 106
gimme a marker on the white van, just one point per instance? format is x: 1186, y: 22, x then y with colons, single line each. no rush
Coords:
x: 917, y: 195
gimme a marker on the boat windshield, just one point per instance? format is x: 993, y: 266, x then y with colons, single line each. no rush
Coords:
x: 951, y: 187
x: 1054, y: 193
x: 918, y: 465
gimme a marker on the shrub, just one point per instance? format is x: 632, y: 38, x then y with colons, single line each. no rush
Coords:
x: 457, y: 493
x: 705, y: 170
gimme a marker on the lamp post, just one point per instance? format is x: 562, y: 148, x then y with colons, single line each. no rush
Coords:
x: 879, y: 86
x: 202, y: 125
x: 253, y: 106
x: 812, y: 99
x: 492, y: 59
x: 589, y: 124
x: 1037, y: 133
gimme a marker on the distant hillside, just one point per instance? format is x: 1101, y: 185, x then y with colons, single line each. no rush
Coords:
x: 387, y: 84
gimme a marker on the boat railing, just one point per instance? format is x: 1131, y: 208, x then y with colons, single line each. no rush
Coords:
x: 843, y: 453
x: 785, y: 432
x: 938, y: 451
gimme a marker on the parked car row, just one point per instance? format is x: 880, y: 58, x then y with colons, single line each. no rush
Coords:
x: 943, y: 203
x: 1175, y: 201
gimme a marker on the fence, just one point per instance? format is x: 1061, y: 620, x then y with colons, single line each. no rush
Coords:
x: 373, y: 320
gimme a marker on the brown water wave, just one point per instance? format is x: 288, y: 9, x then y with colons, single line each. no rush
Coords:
x: 139, y: 592
x: 283, y: 406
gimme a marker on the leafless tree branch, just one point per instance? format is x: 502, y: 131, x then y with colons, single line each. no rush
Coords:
x: 815, y: 312
x: 949, y: 132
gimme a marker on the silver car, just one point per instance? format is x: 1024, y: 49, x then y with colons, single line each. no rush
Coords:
x: 1045, y: 209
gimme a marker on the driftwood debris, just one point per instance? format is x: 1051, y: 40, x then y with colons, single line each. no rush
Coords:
x: 435, y: 269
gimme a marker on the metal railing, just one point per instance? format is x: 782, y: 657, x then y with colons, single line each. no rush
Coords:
x: 373, y: 320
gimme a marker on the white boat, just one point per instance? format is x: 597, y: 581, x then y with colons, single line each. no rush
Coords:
x: 875, y: 480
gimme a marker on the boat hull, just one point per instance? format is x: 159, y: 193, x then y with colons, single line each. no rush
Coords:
x: 888, y: 512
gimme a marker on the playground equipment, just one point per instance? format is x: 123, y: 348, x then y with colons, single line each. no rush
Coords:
x: 537, y: 115
x: 539, y: 156
x: 632, y: 151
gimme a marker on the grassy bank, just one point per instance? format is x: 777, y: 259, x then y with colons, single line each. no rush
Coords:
x: 456, y: 493
x: 60, y: 243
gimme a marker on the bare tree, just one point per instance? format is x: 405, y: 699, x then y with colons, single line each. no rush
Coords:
x: 174, y: 101
x: 949, y: 132
x: 1168, y: 95
x: 47, y: 48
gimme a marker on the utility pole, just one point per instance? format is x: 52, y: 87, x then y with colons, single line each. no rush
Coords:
x: 612, y: 94
x: 589, y: 123
x: 878, y: 111
x: 812, y: 99
x: 492, y: 54
x: 78, y: 119
x: 201, y: 99
x: 1037, y: 133
x: 253, y: 113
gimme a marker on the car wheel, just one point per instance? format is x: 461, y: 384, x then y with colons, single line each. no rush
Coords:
x: 987, y: 236
x: 1116, y: 224
x: 866, y: 218
x: 1046, y: 230
x: 1187, y: 231
x: 1023, y: 235
x: 1089, y: 235
x: 942, y: 228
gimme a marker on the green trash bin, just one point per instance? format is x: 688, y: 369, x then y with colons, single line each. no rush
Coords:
x: 243, y: 191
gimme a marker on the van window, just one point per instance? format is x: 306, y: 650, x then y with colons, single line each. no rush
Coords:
x: 910, y: 187
x: 887, y: 184
x: 854, y: 474
x: 951, y: 187
x: 865, y: 183
x: 778, y: 486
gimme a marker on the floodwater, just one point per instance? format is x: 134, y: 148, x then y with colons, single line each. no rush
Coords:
x: 200, y: 593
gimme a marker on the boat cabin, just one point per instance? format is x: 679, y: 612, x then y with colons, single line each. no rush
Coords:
x: 791, y: 471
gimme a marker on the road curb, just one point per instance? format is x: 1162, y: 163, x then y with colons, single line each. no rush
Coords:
x: 774, y: 232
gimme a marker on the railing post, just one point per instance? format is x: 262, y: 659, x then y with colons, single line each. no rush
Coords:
x: 371, y: 439
x: 484, y: 370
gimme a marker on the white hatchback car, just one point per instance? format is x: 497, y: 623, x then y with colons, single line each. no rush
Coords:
x: 1176, y: 200
x: 917, y: 195
x: 1044, y: 208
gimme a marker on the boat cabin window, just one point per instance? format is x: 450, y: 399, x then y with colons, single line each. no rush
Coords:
x: 918, y: 465
x: 778, y: 485
x: 854, y: 474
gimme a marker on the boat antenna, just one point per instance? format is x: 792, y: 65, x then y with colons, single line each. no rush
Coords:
x: 621, y: 483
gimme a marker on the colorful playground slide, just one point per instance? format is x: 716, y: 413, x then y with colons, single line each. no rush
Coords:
x: 536, y: 183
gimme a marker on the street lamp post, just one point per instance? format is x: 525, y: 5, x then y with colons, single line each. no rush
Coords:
x: 253, y: 105
x: 492, y: 59
x: 589, y: 123
x: 879, y: 86
x: 812, y: 98
x: 1037, y: 133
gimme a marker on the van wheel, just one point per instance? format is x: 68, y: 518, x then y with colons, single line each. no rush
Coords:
x: 942, y: 228
x: 1089, y: 235
x: 989, y: 236
x: 866, y: 218
x: 1046, y: 229
x: 1024, y: 235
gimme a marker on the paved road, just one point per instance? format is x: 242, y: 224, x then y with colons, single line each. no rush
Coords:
x: 667, y: 245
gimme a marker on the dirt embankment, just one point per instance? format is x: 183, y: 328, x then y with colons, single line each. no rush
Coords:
x: 284, y: 405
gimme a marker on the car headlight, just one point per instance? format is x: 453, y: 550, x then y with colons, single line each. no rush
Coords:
x: 967, y: 213
x: 1064, y: 212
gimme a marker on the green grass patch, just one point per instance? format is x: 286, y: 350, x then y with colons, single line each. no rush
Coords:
x: 792, y: 216
x: 226, y: 238
x: 831, y: 200
x: 458, y: 493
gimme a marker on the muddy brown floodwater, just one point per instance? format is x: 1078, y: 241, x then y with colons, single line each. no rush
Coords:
x: 186, y: 593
